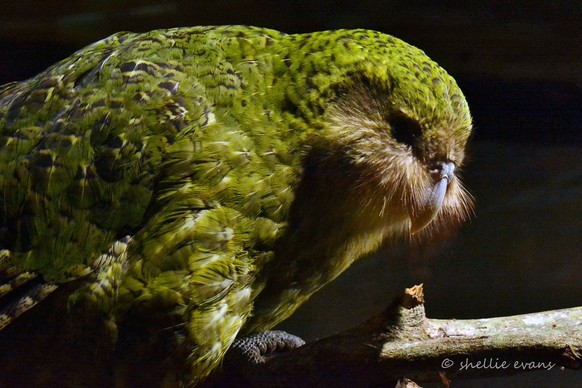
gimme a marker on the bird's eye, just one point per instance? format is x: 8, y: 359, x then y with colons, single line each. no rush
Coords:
x: 405, y: 130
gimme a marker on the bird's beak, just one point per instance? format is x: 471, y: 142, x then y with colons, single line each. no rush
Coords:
x: 444, y: 173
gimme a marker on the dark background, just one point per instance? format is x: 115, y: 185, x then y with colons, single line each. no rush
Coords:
x: 520, y: 66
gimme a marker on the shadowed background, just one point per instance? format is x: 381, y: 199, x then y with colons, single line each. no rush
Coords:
x: 520, y: 66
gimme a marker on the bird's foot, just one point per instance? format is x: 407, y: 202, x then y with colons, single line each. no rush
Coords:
x: 245, y: 363
x: 258, y: 348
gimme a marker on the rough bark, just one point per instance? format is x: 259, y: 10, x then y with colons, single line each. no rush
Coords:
x: 402, y: 346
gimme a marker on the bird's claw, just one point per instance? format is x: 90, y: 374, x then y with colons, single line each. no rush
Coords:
x: 258, y: 348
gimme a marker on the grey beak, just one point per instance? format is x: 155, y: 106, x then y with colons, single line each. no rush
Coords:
x: 444, y: 173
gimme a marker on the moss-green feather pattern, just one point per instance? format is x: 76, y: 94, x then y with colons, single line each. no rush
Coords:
x: 210, y: 179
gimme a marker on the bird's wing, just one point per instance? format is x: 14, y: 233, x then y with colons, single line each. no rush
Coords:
x: 103, y: 150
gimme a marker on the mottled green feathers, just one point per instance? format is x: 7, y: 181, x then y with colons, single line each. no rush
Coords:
x: 183, y: 186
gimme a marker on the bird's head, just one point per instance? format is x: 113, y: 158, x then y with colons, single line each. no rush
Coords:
x: 400, y: 123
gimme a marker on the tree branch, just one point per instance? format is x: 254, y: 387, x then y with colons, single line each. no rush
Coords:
x: 401, y: 344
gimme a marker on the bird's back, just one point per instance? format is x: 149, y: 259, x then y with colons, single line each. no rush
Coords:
x: 145, y: 174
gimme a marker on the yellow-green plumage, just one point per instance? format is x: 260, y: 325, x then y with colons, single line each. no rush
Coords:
x: 186, y: 186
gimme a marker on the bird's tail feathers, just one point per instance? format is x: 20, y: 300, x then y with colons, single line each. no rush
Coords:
x: 19, y: 291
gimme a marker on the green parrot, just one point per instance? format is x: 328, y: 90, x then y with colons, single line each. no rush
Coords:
x: 165, y: 193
